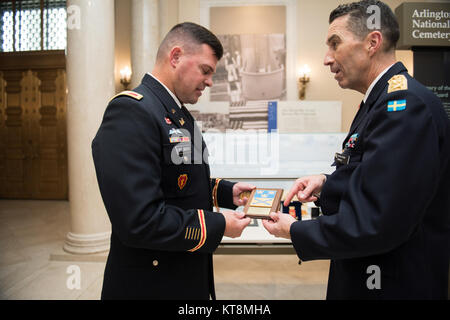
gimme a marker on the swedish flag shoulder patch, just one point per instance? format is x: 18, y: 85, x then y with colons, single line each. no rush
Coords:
x: 396, y: 105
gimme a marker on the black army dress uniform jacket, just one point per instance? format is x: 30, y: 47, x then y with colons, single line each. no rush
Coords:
x: 158, y: 195
x: 387, y: 204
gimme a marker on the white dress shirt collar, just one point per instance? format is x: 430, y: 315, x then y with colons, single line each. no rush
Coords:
x: 170, y: 92
x: 375, y: 81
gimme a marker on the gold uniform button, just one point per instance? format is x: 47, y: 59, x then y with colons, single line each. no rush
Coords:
x: 155, y: 263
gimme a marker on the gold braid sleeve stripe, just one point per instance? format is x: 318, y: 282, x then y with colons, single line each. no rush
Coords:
x: 215, y: 200
x: 201, y: 219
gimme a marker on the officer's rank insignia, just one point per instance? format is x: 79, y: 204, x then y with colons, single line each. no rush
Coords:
x: 175, y: 131
x: 182, y: 179
x: 182, y: 121
x: 128, y: 93
x: 396, y: 105
x: 397, y: 82
x: 351, y: 142
x: 168, y: 120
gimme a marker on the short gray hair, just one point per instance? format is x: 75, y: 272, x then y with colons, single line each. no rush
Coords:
x: 358, y: 17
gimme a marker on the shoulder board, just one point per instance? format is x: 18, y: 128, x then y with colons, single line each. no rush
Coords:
x: 397, y: 83
x: 131, y: 94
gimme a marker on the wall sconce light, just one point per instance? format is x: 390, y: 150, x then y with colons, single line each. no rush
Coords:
x: 303, y: 78
x: 125, y: 77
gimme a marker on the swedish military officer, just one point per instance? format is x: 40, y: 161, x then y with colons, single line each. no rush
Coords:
x: 151, y: 167
x: 386, y: 222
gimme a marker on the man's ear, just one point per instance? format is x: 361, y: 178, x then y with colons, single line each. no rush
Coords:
x: 374, y: 42
x: 175, y: 55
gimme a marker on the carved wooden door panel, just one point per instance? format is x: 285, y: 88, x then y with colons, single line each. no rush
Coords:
x: 15, y: 155
x: 48, y: 130
x: 33, y: 147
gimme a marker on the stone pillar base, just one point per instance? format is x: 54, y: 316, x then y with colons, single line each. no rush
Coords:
x: 87, y: 243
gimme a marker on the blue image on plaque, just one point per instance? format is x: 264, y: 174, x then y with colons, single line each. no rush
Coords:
x: 263, y: 198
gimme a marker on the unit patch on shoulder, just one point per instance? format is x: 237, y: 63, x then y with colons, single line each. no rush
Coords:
x: 128, y: 93
x: 397, y: 83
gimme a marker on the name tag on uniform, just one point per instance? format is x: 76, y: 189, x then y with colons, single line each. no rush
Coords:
x: 341, y: 158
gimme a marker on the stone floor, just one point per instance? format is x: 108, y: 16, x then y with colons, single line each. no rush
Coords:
x: 33, y: 265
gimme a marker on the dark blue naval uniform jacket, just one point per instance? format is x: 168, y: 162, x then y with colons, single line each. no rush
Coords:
x: 387, y: 204
x: 163, y: 228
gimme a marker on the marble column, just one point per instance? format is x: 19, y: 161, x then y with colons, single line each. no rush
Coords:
x: 90, y: 82
x: 144, y: 38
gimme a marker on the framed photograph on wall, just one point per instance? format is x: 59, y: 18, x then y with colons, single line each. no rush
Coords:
x: 258, y: 65
x: 253, y: 68
x: 263, y: 32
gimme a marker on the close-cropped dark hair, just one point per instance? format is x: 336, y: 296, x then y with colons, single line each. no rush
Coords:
x: 358, y: 20
x: 192, y: 33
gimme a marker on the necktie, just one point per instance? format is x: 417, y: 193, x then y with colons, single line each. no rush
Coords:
x: 359, y: 115
x: 197, y: 137
x: 187, y: 113
x: 190, y: 120
x: 361, y: 104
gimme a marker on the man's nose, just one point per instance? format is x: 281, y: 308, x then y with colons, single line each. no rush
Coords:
x: 209, y: 82
x: 328, y: 59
